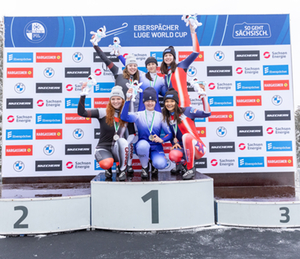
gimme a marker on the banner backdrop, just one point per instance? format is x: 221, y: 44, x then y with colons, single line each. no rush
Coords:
x: 245, y: 61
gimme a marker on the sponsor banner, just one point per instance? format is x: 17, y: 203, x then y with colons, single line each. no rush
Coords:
x: 247, y: 30
x: 49, y: 118
x: 19, y: 134
x: 19, y: 57
x: 249, y: 131
x: 221, y: 116
x: 78, y: 149
x: 221, y: 147
x: 201, y: 132
x: 251, y: 146
x: 278, y: 130
x: 104, y: 87
x: 77, y: 72
x: 219, y: 71
x: 274, y: 70
x: 100, y: 102
x: 248, y: 85
x: 19, y: 72
x: 18, y: 150
x: 182, y: 55
x: 72, y: 103
x: 278, y: 115
x: 167, y: 147
x: 48, y: 134
x: 201, y: 163
x: 246, y: 55
x: 18, y: 103
x: 49, y: 57
x: 279, y: 146
x: 111, y: 57
x: 48, y: 165
x: 74, y: 118
x: 220, y: 86
x: 19, y: 118
x: 42, y: 88
x: 215, y: 101
x: 248, y: 100
x: 276, y: 85
x: 282, y: 161
x: 251, y: 162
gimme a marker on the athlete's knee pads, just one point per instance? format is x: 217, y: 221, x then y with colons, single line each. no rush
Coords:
x: 175, y: 155
x: 106, y: 163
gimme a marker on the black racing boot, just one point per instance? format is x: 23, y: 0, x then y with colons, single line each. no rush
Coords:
x: 189, y: 174
x: 122, y: 176
x: 130, y: 170
x: 108, y: 173
x: 177, y: 169
x: 145, y: 171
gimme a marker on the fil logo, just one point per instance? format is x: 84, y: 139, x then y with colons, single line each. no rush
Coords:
x: 242, y: 146
x: 69, y: 165
x: 214, y: 162
x: 20, y: 88
x: 49, y: 72
x: 48, y: 150
x: 219, y: 56
x: 19, y: 166
x: 239, y: 70
x: 221, y: 131
x: 249, y: 116
x: 277, y: 100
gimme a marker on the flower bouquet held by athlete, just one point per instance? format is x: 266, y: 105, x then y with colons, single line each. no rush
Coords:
x: 112, y: 146
x: 175, y: 74
x: 149, y: 124
x: 187, y: 145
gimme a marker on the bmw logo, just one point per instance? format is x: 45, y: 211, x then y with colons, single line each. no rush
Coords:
x: 19, y: 166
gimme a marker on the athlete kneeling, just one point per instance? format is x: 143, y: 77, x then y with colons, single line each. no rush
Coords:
x: 149, y: 124
x: 182, y: 125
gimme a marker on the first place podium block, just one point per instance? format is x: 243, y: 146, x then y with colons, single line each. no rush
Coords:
x: 164, y: 204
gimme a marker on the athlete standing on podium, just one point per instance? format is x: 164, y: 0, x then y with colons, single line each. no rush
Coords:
x: 112, y: 146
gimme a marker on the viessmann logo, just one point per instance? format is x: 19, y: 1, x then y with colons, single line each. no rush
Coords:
x: 221, y: 116
x: 248, y: 100
x: 21, y: 72
x: 276, y: 85
x: 18, y: 150
x: 48, y: 134
x: 47, y: 57
x: 74, y: 118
